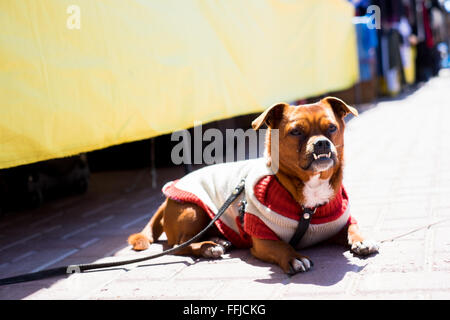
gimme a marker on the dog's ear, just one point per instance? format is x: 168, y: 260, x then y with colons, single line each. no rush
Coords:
x: 340, y: 108
x: 271, y: 116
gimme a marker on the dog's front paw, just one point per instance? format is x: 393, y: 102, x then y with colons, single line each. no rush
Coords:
x: 301, y: 265
x: 296, y: 265
x: 365, y: 247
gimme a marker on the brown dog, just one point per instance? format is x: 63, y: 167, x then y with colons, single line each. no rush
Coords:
x: 309, y: 175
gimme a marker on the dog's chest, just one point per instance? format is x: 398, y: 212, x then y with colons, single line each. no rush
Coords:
x: 317, y: 191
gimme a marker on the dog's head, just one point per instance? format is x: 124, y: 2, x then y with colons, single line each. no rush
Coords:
x: 311, y: 136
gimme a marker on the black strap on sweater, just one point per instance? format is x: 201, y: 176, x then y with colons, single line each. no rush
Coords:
x: 303, y: 224
x: 78, y: 268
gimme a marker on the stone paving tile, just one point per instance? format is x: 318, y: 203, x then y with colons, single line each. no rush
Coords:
x: 227, y: 270
x: 164, y: 290
x: 76, y: 286
x: 404, y: 282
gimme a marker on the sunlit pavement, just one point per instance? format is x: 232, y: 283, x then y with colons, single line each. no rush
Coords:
x: 397, y: 174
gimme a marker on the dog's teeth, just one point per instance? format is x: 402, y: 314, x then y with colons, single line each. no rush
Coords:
x: 323, y: 155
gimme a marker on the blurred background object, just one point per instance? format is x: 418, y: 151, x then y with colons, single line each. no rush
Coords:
x: 410, y: 44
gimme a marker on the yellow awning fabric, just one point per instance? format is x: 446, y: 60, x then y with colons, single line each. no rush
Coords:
x: 137, y: 68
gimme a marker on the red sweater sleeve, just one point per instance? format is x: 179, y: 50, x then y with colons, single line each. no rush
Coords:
x: 255, y: 227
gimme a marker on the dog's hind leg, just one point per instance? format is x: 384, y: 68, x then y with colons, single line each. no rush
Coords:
x: 151, y: 232
x: 182, y: 221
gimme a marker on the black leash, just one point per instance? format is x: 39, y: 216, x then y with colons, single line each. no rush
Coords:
x: 79, y: 268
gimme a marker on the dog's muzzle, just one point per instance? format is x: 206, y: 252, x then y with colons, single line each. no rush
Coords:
x: 323, y: 153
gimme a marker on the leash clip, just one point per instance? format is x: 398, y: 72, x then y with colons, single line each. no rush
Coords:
x: 239, y: 187
x: 308, y: 212
x: 73, y: 269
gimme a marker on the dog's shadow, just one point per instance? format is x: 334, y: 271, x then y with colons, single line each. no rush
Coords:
x: 331, y: 264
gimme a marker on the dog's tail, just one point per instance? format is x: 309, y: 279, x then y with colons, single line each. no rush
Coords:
x: 151, y: 232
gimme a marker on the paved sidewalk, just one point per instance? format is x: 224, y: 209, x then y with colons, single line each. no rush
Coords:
x: 398, y: 179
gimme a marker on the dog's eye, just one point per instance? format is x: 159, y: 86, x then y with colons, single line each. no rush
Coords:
x: 332, y: 128
x: 296, y: 132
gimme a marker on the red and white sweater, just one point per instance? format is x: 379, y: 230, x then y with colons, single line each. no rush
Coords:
x: 271, y: 212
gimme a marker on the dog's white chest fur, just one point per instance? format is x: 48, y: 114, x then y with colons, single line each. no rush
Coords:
x: 317, y: 191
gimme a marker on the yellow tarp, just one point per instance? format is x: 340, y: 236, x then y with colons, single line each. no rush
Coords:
x: 139, y: 68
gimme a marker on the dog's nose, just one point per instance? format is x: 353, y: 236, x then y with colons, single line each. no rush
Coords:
x: 322, y: 146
